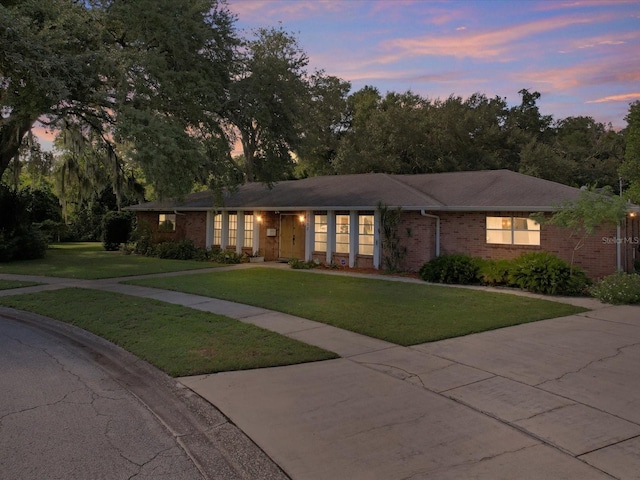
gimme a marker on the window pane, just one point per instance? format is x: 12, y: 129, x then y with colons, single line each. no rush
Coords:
x: 499, y: 236
x: 320, y: 235
x: 248, y: 230
x: 342, y: 233
x: 217, y: 229
x: 365, y: 234
x: 233, y: 228
x: 526, y: 237
x: 167, y: 222
x: 498, y: 223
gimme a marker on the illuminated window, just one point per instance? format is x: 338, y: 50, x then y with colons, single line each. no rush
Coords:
x: 513, y: 231
x: 248, y: 230
x: 167, y: 222
x: 320, y: 233
x: 233, y: 229
x: 217, y: 229
x: 365, y: 234
x: 342, y: 233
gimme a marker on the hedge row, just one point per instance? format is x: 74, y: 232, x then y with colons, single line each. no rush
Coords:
x: 538, y: 272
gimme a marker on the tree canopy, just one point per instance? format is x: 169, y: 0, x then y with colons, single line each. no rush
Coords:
x: 141, y: 81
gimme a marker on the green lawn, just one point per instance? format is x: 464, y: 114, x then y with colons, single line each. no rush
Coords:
x: 402, y: 313
x: 8, y: 284
x: 91, y: 261
x: 176, y: 339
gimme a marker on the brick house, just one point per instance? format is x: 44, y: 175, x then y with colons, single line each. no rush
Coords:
x: 337, y: 220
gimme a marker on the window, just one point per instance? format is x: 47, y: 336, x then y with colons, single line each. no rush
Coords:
x: 342, y: 233
x: 248, y: 230
x: 365, y: 234
x: 167, y: 222
x: 217, y: 229
x: 320, y: 233
x: 233, y: 229
x: 513, y: 231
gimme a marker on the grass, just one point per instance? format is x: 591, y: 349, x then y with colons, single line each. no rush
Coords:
x: 402, y: 313
x: 176, y: 339
x: 9, y: 284
x: 90, y: 261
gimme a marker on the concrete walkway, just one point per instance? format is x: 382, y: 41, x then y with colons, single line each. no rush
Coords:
x: 554, y: 399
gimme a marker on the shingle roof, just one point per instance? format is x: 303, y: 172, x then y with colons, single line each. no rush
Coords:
x: 479, y: 190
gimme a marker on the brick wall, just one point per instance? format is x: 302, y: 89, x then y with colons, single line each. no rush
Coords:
x: 465, y: 232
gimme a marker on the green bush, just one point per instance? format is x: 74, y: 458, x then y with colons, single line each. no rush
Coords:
x: 543, y: 272
x: 618, y: 289
x: 495, y: 272
x: 455, y: 268
x: 182, y: 250
x: 116, y: 229
x: 225, y: 256
x: 298, y: 264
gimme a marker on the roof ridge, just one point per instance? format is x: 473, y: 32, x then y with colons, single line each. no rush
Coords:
x: 420, y: 193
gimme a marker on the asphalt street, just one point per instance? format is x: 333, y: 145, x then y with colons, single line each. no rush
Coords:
x: 75, y: 407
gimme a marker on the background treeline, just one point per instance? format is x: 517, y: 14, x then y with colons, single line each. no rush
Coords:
x: 153, y: 99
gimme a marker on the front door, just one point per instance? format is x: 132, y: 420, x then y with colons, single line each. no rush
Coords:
x: 291, y: 237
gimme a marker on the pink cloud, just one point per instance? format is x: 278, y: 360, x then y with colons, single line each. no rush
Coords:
x: 625, y: 97
x: 484, y: 45
x: 597, y: 73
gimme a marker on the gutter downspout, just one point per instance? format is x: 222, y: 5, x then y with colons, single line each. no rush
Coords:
x: 425, y: 214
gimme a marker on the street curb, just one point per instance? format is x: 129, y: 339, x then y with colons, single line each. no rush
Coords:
x: 218, y: 448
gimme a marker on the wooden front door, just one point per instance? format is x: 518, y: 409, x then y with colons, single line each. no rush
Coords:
x: 292, y: 237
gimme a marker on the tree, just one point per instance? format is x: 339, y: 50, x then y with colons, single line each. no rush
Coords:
x: 582, y: 217
x: 267, y: 101
x: 630, y: 168
x: 143, y: 80
x: 387, y: 134
x: 324, y: 126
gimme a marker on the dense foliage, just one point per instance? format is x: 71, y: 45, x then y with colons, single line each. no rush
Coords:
x: 621, y: 288
x: 537, y: 272
x: 456, y: 268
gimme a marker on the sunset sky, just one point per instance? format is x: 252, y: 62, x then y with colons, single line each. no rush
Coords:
x: 582, y: 56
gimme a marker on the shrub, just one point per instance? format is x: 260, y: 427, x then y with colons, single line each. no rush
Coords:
x: 617, y: 289
x: 225, y: 256
x: 543, y: 272
x: 116, y: 229
x: 495, y: 272
x: 456, y: 268
x: 297, y: 264
x: 182, y: 250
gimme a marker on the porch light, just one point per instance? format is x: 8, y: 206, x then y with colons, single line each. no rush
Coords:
x: 302, y: 218
x: 259, y: 218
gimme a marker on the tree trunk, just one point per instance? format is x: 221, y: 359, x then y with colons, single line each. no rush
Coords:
x: 11, y: 135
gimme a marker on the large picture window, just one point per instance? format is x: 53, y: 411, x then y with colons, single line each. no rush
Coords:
x: 365, y: 234
x: 320, y: 233
x: 342, y: 233
x: 513, y: 231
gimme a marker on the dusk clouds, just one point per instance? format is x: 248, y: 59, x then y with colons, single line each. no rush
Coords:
x: 582, y: 56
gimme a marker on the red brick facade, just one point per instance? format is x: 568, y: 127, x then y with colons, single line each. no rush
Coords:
x: 460, y: 232
x: 465, y: 232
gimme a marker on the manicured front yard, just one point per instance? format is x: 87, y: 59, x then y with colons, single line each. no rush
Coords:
x: 91, y: 261
x: 402, y: 313
x: 178, y: 340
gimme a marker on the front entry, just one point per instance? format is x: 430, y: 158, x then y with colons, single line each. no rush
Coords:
x: 292, y: 237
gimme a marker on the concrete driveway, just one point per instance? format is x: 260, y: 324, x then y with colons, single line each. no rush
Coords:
x: 555, y: 399
x: 552, y: 399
